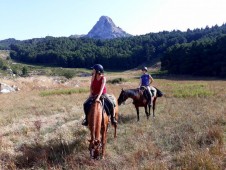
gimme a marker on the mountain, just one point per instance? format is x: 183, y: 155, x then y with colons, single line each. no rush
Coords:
x: 4, y: 44
x: 106, y: 29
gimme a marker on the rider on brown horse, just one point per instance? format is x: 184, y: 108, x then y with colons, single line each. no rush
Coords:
x: 98, y: 91
x: 145, y: 81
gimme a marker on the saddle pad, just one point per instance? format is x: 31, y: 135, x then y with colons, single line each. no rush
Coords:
x: 112, y: 99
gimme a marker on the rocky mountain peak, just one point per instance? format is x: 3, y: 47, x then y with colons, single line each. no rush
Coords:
x: 106, y: 29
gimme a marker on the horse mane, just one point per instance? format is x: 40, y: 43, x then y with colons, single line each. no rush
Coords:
x: 132, y: 92
x: 94, y: 119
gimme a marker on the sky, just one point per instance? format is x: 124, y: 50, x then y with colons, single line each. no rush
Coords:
x: 26, y: 19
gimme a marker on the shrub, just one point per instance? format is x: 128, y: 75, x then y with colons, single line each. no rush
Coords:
x: 68, y: 74
x: 24, y: 71
x: 116, y: 81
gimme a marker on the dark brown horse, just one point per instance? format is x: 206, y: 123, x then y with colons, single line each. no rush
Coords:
x: 98, y: 125
x: 139, y: 100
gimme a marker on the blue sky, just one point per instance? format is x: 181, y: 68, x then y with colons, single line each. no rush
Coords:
x: 25, y: 19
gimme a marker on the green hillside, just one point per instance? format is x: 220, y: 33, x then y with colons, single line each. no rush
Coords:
x: 125, y: 53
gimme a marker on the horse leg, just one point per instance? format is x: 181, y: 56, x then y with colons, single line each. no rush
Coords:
x: 115, y: 133
x: 104, y: 140
x: 153, y: 107
x: 147, y: 114
x: 149, y: 110
x: 115, y: 124
x: 104, y: 135
x: 138, y: 117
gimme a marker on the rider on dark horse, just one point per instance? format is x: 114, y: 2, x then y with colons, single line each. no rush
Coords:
x: 145, y: 81
x: 98, y: 91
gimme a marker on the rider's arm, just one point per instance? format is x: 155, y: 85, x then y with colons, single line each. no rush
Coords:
x: 91, y: 91
x: 140, y: 82
x: 102, y: 88
x: 151, y: 79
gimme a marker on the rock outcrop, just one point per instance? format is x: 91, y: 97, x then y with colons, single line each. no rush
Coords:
x: 106, y: 29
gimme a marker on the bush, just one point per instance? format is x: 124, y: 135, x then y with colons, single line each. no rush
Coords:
x: 116, y: 81
x: 68, y: 75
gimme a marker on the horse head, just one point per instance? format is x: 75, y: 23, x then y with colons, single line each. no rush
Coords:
x: 95, y: 148
x: 122, y: 97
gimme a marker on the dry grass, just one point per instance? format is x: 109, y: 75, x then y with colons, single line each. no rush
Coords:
x: 45, y: 132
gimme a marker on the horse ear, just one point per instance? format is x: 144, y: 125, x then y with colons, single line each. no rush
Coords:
x: 122, y: 89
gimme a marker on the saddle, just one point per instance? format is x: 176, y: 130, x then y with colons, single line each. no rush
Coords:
x: 109, y: 103
x: 145, y: 92
x: 112, y: 99
x: 144, y: 89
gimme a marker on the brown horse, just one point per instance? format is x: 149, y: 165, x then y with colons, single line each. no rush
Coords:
x: 139, y: 100
x: 98, y: 125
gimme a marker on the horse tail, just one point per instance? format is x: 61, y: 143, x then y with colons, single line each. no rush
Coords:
x: 159, y: 93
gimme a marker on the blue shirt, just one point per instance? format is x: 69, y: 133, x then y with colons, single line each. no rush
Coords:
x: 145, y: 80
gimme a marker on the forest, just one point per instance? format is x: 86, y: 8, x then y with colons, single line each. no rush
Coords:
x: 193, y: 52
x: 201, y: 58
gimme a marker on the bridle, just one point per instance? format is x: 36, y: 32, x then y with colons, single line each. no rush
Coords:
x: 94, y: 148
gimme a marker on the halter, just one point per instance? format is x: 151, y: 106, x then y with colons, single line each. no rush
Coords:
x: 94, y: 148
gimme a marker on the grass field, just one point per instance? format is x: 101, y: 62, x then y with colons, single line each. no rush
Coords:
x: 41, y: 126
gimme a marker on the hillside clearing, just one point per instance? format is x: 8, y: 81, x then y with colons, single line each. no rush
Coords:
x: 42, y: 132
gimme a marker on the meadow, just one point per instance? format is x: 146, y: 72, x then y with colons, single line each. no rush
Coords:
x: 41, y: 125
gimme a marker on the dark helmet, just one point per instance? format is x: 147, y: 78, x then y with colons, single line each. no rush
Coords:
x: 144, y: 69
x: 98, y: 67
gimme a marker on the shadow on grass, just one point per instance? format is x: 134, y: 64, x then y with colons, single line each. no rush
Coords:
x: 52, y: 154
x: 127, y: 119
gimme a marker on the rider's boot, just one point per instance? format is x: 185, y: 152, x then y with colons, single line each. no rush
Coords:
x: 113, y: 119
x: 85, y: 121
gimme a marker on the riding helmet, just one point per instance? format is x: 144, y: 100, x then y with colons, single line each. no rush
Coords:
x: 98, y: 67
x: 144, y: 69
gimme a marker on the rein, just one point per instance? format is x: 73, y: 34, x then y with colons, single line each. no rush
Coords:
x: 102, y: 112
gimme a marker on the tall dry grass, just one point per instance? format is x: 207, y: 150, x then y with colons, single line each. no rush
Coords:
x: 45, y: 132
